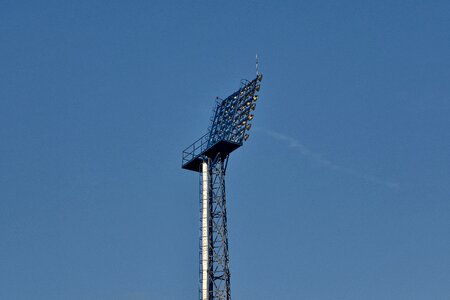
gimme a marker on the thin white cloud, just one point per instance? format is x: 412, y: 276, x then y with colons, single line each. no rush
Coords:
x: 319, y: 159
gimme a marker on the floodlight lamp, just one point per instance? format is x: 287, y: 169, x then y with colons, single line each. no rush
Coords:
x: 246, y: 136
x: 257, y: 88
x: 250, y: 117
x: 244, y: 122
x: 248, y: 126
x: 253, y: 106
x: 248, y: 103
x: 255, y: 97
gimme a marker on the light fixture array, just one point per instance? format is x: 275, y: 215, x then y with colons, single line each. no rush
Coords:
x: 232, y: 116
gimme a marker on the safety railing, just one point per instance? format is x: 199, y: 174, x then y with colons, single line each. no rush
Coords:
x: 194, y: 150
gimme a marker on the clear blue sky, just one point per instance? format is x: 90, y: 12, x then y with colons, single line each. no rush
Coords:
x: 341, y: 192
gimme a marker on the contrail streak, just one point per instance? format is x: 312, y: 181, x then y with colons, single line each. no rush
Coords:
x: 319, y: 159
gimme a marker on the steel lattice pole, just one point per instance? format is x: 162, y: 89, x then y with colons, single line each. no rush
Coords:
x: 214, y: 266
x: 208, y: 155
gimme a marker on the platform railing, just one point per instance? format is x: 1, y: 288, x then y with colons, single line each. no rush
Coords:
x: 194, y: 150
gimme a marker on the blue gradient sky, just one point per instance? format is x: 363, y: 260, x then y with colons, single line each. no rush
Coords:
x: 341, y: 192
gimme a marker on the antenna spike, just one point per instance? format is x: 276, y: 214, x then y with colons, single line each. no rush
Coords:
x: 257, y: 61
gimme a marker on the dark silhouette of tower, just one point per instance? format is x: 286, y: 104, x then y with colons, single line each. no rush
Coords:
x: 209, y: 155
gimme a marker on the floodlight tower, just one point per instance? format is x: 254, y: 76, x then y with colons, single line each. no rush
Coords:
x: 209, y: 155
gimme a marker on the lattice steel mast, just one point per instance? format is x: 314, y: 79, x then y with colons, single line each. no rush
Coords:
x: 209, y: 156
